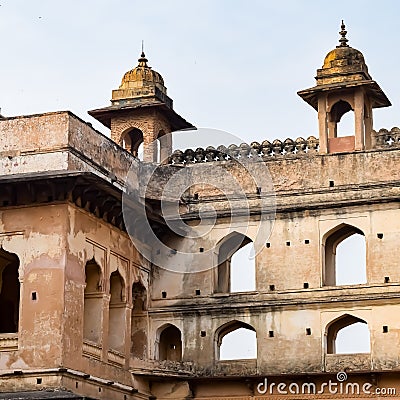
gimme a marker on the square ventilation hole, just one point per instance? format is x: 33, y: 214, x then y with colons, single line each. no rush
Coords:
x: 198, y: 292
x: 306, y: 285
x: 287, y: 243
x: 203, y: 333
x: 308, y: 331
x: 268, y: 245
x: 196, y: 196
x: 164, y: 295
x: 387, y: 279
x: 271, y: 333
x: 385, y: 329
x: 201, y: 249
x: 331, y: 183
x: 306, y: 241
x: 34, y: 296
x: 258, y: 190
x: 380, y: 235
x: 38, y: 381
x: 271, y: 288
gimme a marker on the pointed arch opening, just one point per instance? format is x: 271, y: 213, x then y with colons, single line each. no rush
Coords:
x: 139, y: 321
x: 235, y: 340
x: 348, y: 334
x: 344, y: 251
x: 341, y: 127
x: 169, y: 343
x: 131, y: 141
x: 116, y: 327
x: 9, y: 292
x: 93, y: 303
x: 236, y: 264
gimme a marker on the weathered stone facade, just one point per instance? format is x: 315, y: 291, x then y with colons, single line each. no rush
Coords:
x: 85, y: 315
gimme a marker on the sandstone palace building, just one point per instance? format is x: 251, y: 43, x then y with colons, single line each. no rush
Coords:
x: 97, y: 301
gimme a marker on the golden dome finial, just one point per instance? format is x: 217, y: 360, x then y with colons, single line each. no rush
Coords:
x: 343, y: 40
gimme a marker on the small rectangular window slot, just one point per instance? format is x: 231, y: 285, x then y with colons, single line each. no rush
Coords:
x: 76, y: 385
x: 198, y: 292
x: 308, y: 331
x: 287, y: 243
x: 34, y: 296
x: 306, y: 241
x: 258, y: 190
x: 164, y: 295
x: 271, y: 333
x: 38, y: 381
x: 380, y: 235
x: 99, y: 389
x: 387, y: 279
x: 201, y: 249
x: 385, y: 329
x: 331, y: 183
x: 306, y: 285
x: 268, y: 245
x: 196, y: 196
x: 203, y: 333
x: 271, y: 288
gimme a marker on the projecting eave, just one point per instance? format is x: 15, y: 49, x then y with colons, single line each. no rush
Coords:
x: 375, y: 93
x: 105, y: 114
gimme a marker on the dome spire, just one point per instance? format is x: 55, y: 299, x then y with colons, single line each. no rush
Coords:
x: 343, y: 40
x: 143, y: 60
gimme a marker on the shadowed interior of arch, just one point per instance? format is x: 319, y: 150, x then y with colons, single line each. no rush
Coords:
x: 170, y: 344
x: 9, y: 292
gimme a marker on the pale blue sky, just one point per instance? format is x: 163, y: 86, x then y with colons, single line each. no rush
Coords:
x: 228, y: 64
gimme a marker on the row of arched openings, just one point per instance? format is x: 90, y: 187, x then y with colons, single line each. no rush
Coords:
x: 237, y: 340
x: 344, y: 259
x: 133, y: 141
x: 93, y: 310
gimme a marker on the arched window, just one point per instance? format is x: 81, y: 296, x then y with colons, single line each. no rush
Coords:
x: 132, y: 140
x: 170, y: 344
x: 116, y: 327
x: 139, y: 321
x: 9, y: 292
x: 236, y: 340
x: 235, y: 272
x: 341, y: 127
x: 243, y: 269
x: 346, y: 126
x: 347, y: 335
x: 93, y: 303
x: 344, y: 256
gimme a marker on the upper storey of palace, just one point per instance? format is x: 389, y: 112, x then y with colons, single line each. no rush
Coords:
x: 142, y: 114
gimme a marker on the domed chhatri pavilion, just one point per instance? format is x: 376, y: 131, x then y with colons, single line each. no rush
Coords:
x: 86, y: 314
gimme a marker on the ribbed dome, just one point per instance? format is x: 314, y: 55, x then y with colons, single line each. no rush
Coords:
x: 141, y: 75
x: 343, y: 56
